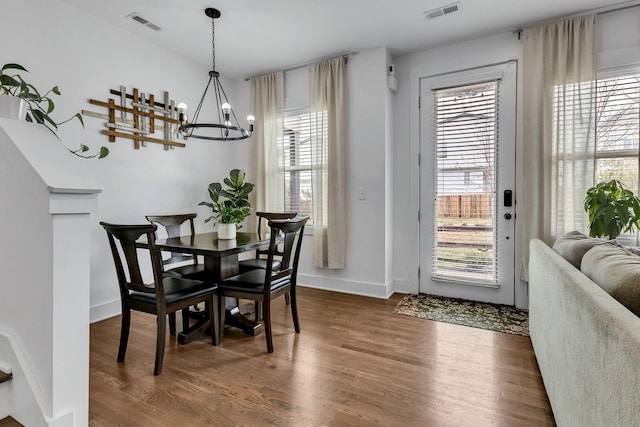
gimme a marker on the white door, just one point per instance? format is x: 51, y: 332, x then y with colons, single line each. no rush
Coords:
x: 467, y: 183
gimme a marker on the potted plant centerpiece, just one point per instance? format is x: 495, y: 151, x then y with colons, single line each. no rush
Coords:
x: 230, y: 206
x: 21, y: 100
x: 612, y: 209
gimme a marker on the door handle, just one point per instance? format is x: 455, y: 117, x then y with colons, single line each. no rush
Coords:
x: 507, y: 216
x: 508, y: 198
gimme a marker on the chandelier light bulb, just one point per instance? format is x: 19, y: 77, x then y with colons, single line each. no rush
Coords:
x: 226, y: 108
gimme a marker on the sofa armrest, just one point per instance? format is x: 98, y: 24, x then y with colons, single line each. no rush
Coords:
x: 586, y: 343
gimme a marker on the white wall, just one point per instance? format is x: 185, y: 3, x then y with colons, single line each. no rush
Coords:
x: 368, y: 259
x: 619, y: 42
x: 87, y: 57
x: 619, y: 38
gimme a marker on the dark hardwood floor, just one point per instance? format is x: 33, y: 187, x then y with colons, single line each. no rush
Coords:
x: 353, y: 364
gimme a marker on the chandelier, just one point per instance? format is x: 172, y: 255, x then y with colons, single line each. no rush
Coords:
x: 227, y: 128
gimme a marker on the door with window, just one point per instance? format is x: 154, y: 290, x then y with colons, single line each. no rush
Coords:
x: 467, y: 183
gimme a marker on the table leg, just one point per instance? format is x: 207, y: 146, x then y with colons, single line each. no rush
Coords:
x: 190, y: 333
x: 234, y: 318
x: 219, y: 268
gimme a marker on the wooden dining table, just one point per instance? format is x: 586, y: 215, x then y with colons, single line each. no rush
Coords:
x: 220, y: 261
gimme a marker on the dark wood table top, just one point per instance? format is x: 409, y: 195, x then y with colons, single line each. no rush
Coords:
x: 208, y: 244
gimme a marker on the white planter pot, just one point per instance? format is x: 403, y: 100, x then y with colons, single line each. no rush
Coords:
x: 226, y: 231
x: 13, y: 107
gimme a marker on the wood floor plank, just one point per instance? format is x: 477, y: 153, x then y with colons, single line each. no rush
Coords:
x: 353, y: 364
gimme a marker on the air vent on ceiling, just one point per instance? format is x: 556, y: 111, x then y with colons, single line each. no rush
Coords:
x: 444, y: 10
x: 139, y: 19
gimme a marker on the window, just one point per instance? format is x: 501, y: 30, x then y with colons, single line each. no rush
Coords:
x: 617, y: 120
x: 467, y: 178
x: 466, y: 123
x: 297, y: 162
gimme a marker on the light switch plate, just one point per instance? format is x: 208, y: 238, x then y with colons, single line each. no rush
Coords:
x: 362, y: 194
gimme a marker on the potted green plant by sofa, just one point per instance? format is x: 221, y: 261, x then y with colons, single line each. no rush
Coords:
x: 612, y: 209
x: 230, y: 206
x: 36, y: 106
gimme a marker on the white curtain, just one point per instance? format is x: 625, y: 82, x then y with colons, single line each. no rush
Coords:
x: 267, y: 105
x: 559, y: 128
x: 328, y: 133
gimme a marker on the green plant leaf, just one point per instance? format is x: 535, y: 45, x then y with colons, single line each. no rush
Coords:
x: 104, y: 152
x: 38, y: 116
x: 8, y: 81
x: 13, y: 67
x: 55, y: 90
x: 50, y: 121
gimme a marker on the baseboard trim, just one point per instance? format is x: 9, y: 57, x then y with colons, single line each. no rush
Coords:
x: 105, y: 311
x: 374, y: 290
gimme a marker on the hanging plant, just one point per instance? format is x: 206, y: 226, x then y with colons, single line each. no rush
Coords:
x: 40, y: 105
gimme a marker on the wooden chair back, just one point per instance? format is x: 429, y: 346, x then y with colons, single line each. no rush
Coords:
x: 173, y: 225
x: 292, y: 231
x: 271, y: 216
x: 128, y: 272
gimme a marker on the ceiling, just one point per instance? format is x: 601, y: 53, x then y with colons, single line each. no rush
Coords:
x: 257, y: 36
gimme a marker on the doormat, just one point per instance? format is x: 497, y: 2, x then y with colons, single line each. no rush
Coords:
x: 495, y: 317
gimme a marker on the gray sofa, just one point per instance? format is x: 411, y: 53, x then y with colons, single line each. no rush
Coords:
x: 586, y: 342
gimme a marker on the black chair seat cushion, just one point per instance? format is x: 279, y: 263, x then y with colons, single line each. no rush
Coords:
x: 175, y: 290
x: 191, y: 271
x: 258, y: 264
x: 251, y: 281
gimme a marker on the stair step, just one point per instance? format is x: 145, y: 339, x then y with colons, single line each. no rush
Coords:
x: 9, y: 422
x: 5, y: 376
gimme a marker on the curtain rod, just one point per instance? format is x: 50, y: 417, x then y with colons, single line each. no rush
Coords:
x: 301, y: 65
x: 600, y: 11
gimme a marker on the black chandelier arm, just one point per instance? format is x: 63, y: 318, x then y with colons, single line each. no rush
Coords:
x: 225, y: 97
x: 196, y: 113
x: 219, y: 102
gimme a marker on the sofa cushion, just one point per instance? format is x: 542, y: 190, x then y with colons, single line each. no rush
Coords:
x: 573, y: 245
x: 617, y: 271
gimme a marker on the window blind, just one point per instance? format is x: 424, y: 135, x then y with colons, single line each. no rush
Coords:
x: 465, y: 152
x: 617, y: 135
x: 297, y: 162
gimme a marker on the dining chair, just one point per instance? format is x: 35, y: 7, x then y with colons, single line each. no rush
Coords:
x: 265, y: 285
x: 193, y: 270
x: 162, y: 296
x: 260, y: 261
x: 173, y: 225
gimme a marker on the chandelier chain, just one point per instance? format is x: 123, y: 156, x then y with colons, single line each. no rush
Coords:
x: 213, y: 42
